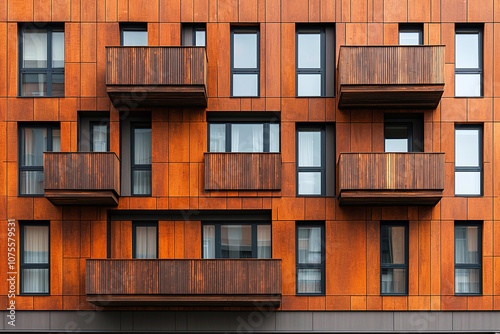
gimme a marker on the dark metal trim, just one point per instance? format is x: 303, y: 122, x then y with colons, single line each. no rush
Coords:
x: 396, y: 266
x: 314, y: 29
x: 477, y: 30
x: 311, y: 127
x: 412, y: 27
x: 479, y: 265
x: 133, y: 165
x: 245, y: 30
x: 321, y: 266
x: 479, y: 168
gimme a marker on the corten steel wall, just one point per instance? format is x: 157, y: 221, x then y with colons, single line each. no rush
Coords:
x: 180, y: 139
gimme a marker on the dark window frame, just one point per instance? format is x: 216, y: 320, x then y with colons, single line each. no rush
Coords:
x: 218, y: 241
x: 133, y: 165
x: 321, y: 266
x: 409, y: 127
x: 412, y: 27
x: 396, y: 266
x: 20, y: 168
x: 91, y: 125
x: 49, y: 70
x: 479, y: 265
x: 132, y: 27
x: 136, y: 224
x: 480, y: 168
x: 311, y: 128
x: 471, y: 29
x: 191, y: 29
x: 311, y: 30
x: 245, y: 30
x: 22, y: 265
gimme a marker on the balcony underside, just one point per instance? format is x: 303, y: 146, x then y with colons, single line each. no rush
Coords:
x: 75, y: 197
x: 157, y: 96
x: 394, y: 197
x: 390, y: 96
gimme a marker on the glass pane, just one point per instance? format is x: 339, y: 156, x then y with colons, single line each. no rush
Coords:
x: 142, y: 146
x: 309, y: 183
x: 245, y: 85
x: 309, y: 149
x: 396, y: 145
x: 466, y: 244
x: 99, y: 138
x: 467, y: 281
x: 467, y: 183
x: 409, y: 38
x: 35, y: 49
x: 36, y: 244
x: 466, y: 50
x: 217, y: 137
x: 309, y: 51
x: 208, y: 241
x: 467, y: 148
x: 56, y: 140
x: 309, y: 245
x: 396, y: 138
x: 35, y: 281
x: 58, y: 49
x: 309, y: 281
x: 135, y: 38
x: 58, y: 84
x: 264, y: 242
x: 34, y: 84
x: 393, y: 245
x: 245, y: 50
x: 145, y: 242
x: 274, y: 138
x: 467, y: 84
x: 32, y: 182
x: 236, y: 241
x: 142, y: 182
x: 393, y: 280
x: 247, y: 138
x: 199, y: 35
x: 34, y: 144
x: 309, y: 85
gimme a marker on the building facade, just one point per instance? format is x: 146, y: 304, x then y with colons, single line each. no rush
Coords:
x: 249, y: 166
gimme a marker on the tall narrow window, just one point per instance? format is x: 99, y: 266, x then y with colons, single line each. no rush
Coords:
x: 194, y: 34
x: 34, y: 140
x: 35, y: 258
x: 145, y: 240
x: 141, y: 159
x: 244, y: 137
x: 310, y: 259
x: 134, y: 34
x: 245, y: 61
x: 311, y: 171
x: 468, y: 160
x: 99, y: 133
x: 42, y: 61
x: 310, y: 62
x: 468, y: 61
x: 468, y: 258
x: 411, y: 34
x: 393, y: 258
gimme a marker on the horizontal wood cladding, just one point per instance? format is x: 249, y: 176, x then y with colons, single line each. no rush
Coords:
x: 156, y: 76
x: 391, y: 76
x: 211, y: 282
x: 391, y: 178
x: 242, y: 171
x: 82, y: 178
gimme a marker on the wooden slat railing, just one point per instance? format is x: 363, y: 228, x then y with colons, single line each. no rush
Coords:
x: 242, y: 171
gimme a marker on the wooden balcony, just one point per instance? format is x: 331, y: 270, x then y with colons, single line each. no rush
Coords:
x: 156, y: 76
x: 82, y: 178
x: 391, y: 178
x: 215, y: 282
x: 390, y: 76
x: 242, y: 171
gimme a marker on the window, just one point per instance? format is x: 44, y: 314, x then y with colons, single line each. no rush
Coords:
x: 468, y: 160
x: 468, y: 258
x: 310, y: 258
x: 403, y: 133
x: 134, y: 34
x: 311, y: 161
x: 411, y: 34
x: 141, y: 159
x: 468, y: 60
x: 194, y: 34
x: 145, y: 240
x: 237, y: 241
x: 35, y: 258
x: 245, y: 61
x: 244, y: 137
x: 93, y: 132
x: 41, y: 60
x: 34, y: 140
x: 394, y: 258
x: 99, y: 135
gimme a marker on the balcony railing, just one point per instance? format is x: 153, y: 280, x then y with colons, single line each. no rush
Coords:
x: 242, y: 171
x: 391, y: 178
x: 214, y: 282
x: 390, y: 76
x: 82, y: 178
x: 156, y: 76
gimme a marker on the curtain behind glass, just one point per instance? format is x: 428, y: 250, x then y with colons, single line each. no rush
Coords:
x: 217, y: 137
x: 264, y: 242
x: 35, y: 49
x: 36, y: 251
x: 145, y: 242
x: 208, y: 241
x: 247, y: 138
x: 309, y: 245
x: 35, y: 143
x: 142, y: 156
x: 99, y: 138
x: 309, y: 149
